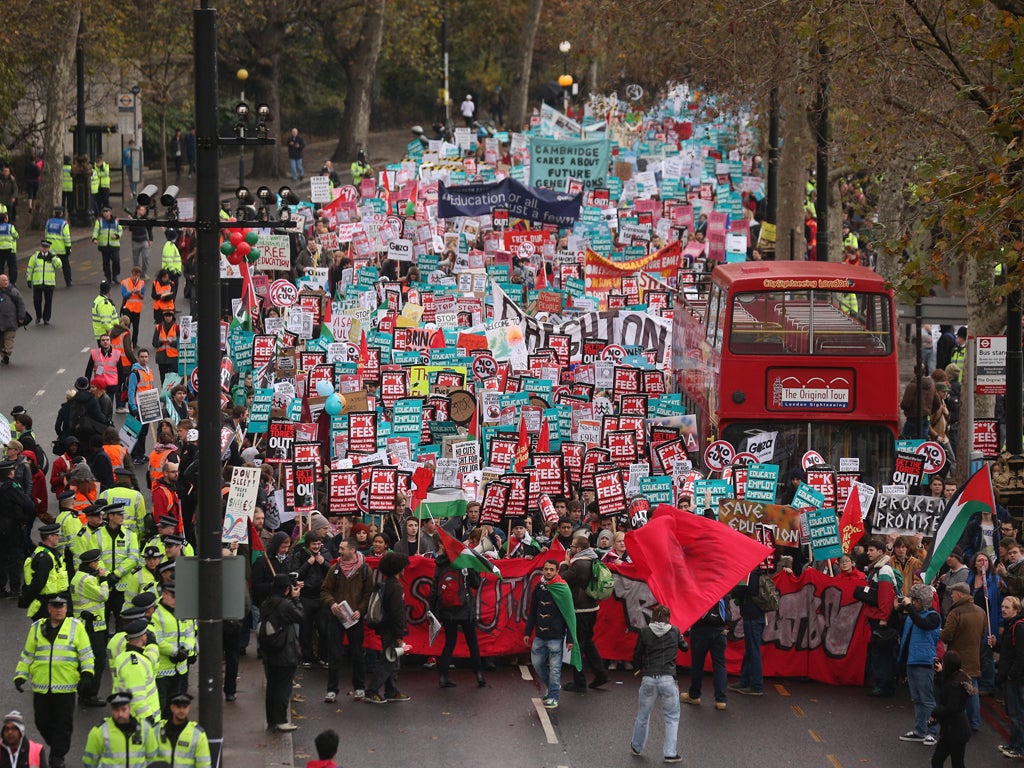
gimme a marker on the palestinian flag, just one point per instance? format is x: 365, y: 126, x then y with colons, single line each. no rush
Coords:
x: 562, y: 596
x: 462, y: 556
x: 443, y: 502
x: 256, y: 548
x: 248, y: 307
x: 326, y: 333
x: 970, y: 498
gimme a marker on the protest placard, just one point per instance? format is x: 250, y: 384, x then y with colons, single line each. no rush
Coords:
x: 241, y: 503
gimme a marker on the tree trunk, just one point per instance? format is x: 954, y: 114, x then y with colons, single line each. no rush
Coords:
x: 360, y: 70
x: 521, y: 79
x: 163, y: 147
x: 269, y: 161
x: 61, y: 58
x: 794, y: 158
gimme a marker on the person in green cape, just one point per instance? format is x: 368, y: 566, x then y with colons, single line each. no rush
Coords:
x: 552, y: 621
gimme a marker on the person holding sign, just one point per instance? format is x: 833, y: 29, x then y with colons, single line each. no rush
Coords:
x: 139, y: 380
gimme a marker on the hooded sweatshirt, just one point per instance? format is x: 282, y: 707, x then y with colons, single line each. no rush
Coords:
x: 655, y: 651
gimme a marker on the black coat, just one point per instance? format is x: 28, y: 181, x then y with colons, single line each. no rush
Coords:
x: 393, y: 625
x: 464, y: 612
x: 951, y: 696
x: 1011, y: 651
x: 284, y: 613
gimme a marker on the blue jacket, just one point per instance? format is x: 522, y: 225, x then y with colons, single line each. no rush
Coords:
x: 920, y: 638
x: 995, y: 599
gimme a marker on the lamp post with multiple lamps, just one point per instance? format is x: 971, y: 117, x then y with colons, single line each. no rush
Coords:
x: 565, y: 79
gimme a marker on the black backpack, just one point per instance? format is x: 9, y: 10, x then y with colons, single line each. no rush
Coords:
x: 269, y: 637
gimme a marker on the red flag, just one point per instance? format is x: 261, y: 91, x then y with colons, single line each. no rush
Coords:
x: 364, y: 350
x: 421, y: 480
x: 523, y: 448
x: 690, y: 562
x: 541, y: 282
x: 544, y: 441
x: 851, y: 525
x: 437, y: 340
x: 256, y: 548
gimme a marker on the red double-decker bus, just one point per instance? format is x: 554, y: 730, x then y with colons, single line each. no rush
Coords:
x: 779, y: 358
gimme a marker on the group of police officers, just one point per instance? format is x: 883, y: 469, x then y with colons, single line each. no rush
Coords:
x: 93, y: 571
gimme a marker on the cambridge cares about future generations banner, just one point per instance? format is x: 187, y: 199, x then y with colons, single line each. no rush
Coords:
x: 818, y: 631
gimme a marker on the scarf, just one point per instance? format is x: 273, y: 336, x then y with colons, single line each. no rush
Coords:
x: 562, y: 596
x: 348, y: 568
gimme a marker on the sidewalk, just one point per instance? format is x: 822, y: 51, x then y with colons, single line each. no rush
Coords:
x: 246, y: 737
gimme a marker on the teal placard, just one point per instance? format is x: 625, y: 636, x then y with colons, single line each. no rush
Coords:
x: 554, y: 161
x: 259, y: 410
x: 295, y: 409
x: 536, y: 386
x: 762, y: 482
x: 406, y: 357
x: 657, y: 489
x: 407, y: 416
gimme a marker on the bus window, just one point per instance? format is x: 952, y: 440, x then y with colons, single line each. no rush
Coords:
x: 810, y: 322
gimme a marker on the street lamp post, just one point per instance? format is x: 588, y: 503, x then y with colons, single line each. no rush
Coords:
x: 565, y: 79
x: 242, y: 74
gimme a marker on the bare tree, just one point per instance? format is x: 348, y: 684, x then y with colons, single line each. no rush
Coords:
x: 521, y: 77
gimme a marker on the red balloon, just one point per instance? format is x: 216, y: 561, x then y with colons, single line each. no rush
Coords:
x: 243, y: 248
x: 236, y: 237
x: 235, y: 259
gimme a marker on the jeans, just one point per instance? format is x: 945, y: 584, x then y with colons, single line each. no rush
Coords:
x: 921, y: 681
x: 751, y: 671
x: 546, y: 656
x: 1014, y: 691
x: 704, y: 640
x: 336, y: 634
x: 664, y: 688
x: 974, y: 707
x: 988, y: 667
x: 296, y: 164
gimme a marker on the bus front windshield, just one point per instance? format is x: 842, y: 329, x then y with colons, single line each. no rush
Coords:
x: 811, y: 322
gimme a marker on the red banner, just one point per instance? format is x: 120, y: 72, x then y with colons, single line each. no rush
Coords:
x: 818, y: 631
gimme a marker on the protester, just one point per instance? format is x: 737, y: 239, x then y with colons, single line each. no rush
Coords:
x: 1010, y: 673
x: 954, y: 690
x: 452, y: 600
x: 577, y: 571
x: 964, y: 628
x: 552, y: 621
x: 655, y: 658
x: 392, y: 629
x: 917, y: 653
x: 280, y: 612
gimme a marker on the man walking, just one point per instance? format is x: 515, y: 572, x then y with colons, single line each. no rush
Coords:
x: 708, y: 635
x: 655, y: 656
x: 104, y: 313
x: 12, y: 315
x: 183, y: 743
x: 295, y: 146
x: 9, y: 192
x: 966, y: 624
x: 58, y: 233
x: 89, y: 594
x: 577, y: 570
x: 42, y: 278
x: 19, y: 751
x: 9, y: 248
x: 917, y: 651
x: 140, y: 379
x: 349, y: 581
x: 56, y: 657
x: 552, y: 618
x: 121, y: 739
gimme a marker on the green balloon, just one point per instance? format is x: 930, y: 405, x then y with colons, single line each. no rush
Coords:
x: 252, y: 238
x: 227, y: 248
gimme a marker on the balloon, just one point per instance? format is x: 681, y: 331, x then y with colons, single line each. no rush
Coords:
x: 334, y: 405
x: 324, y: 388
x: 243, y: 249
x: 236, y: 236
x: 252, y: 237
x: 253, y: 256
x: 227, y: 248
x: 235, y: 258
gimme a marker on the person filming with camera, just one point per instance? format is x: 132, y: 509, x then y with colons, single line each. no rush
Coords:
x: 278, y: 641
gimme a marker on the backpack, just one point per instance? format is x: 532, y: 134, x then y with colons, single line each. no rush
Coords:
x: 269, y: 637
x: 767, y: 597
x: 451, y: 589
x: 375, y: 608
x: 602, y: 583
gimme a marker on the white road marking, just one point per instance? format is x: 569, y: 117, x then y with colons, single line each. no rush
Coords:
x: 545, y: 721
x: 524, y: 671
x: 85, y: 349
x: 40, y: 393
x: 61, y: 370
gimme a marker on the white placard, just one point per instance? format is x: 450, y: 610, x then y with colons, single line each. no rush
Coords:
x: 245, y: 482
x: 150, y: 408
x: 320, y: 189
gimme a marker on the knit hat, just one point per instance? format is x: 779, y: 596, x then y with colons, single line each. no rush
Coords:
x: 604, y: 538
x: 318, y: 521
x: 14, y: 718
x: 958, y: 553
x: 961, y: 587
x: 81, y: 383
x: 924, y: 593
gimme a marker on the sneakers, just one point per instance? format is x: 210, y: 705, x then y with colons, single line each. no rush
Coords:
x: 574, y: 688
x: 307, y: 665
x: 121, y: 409
x: 599, y: 682
x: 1008, y: 751
x: 399, y: 696
x: 430, y: 663
x: 375, y: 698
x: 634, y: 751
x: 912, y: 736
x: 358, y: 694
x: 930, y: 741
x: 674, y: 759
x: 720, y: 705
x: 737, y: 688
x: 685, y: 697
x: 331, y: 697
x: 550, y: 704
x: 286, y: 727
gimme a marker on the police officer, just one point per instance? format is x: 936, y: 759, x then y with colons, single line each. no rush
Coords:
x: 106, y: 233
x: 360, y: 168
x: 67, y: 183
x: 94, y: 189
x: 87, y: 536
x: 130, y: 498
x: 67, y: 519
x: 89, y: 592
x: 58, y: 233
x: 139, y: 609
x: 45, y: 574
x: 57, y: 657
x: 146, y: 578
x: 42, y: 277
x: 170, y: 259
x: 119, y: 553
x: 9, y: 248
x: 121, y: 739
x: 102, y: 169
x: 133, y: 671
x: 177, y: 642
x: 104, y: 313
x: 183, y: 743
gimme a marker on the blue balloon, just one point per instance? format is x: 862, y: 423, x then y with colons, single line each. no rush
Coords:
x: 324, y: 388
x: 333, y: 406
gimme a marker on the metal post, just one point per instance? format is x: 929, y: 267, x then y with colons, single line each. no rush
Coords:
x: 208, y: 523
x: 1014, y: 375
x: 241, y: 149
x: 444, y: 53
x: 919, y: 363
